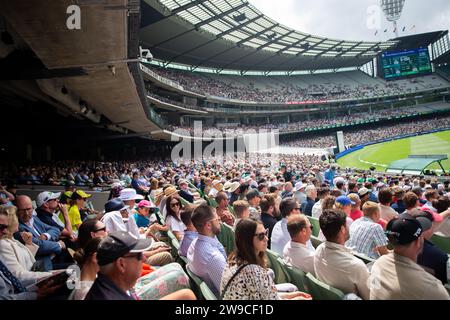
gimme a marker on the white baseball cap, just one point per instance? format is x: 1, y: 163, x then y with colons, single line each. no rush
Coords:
x: 45, y: 196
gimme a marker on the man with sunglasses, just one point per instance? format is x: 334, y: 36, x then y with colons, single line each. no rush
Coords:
x: 206, y: 255
x: 120, y: 258
x: 45, y: 236
x: 48, y: 204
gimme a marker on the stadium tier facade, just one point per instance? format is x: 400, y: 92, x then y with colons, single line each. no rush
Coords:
x: 230, y: 67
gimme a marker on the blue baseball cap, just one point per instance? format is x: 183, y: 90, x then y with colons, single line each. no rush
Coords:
x: 344, y: 200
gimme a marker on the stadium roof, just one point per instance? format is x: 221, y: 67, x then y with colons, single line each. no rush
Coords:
x: 422, y: 40
x: 415, y: 164
x: 233, y: 34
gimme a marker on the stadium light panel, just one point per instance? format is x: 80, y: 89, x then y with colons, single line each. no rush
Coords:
x: 392, y: 9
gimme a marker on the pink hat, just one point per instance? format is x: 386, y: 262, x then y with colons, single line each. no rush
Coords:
x: 146, y: 204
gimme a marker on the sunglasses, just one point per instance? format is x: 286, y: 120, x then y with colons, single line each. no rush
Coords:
x: 138, y: 256
x: 3, y: 227
x: 261, y: 236
x: 175, y: 204
x: 101, y: 229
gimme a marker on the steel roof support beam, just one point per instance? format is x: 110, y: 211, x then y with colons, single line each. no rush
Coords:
x: 200, y: 24
x: 349, y: 49
x: 331, y: 48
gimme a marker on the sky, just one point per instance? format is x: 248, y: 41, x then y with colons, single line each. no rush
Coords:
x: 356, y: 19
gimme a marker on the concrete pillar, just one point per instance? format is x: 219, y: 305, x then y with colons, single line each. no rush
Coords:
x: 268, y: 120
x: 28, y: 152
x: 370, y: 109
x: 48, y: 153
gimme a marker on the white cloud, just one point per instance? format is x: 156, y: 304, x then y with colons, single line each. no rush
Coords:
x: 348, y: 19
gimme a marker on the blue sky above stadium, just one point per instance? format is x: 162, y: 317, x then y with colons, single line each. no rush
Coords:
x: 356, y: 19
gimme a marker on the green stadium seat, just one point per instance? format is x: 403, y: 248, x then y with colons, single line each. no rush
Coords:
x: 206, y: 292
x: 321, y: 291
x: 315, y: 241
x: 447, y: 286
x: 296, y: 277
x: 212, y: 202
x: 442, y: 242
x: 195, y: 283
x: 184, y: 202
x: 276, y: 264
x: 226, y: 238
x: 316, y: 226
x: 174, y: 243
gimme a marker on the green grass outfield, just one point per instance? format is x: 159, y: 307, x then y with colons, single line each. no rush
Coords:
x: 382, y: 154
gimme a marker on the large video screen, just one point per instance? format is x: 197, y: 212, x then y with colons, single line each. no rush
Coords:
x: 394, y: 65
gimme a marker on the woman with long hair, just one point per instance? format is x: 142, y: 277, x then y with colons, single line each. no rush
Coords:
x: 246, y: 277
x: 173, y: 219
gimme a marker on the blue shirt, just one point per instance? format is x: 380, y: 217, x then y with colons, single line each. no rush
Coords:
x: 189, y: 236
x: 329, y: 176
x: 207, y: 260
x: 141, y: 221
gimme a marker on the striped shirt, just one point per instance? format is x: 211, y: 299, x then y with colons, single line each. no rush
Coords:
x: 365, y: 236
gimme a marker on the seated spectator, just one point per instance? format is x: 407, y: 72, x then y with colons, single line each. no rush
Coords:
x: 355, y: 212
x: 222, y: 209
x: 114, y: 220
x: 411, y: 201
x: 311, y: 195
x: 335, y: 264
x: 432, y: 259
x: 366, y: 235
x: 12, y: 288
x: 91, y: 228
x: 430, y: 196
x: 364, y: 195
x: 241, y: 210
x: 190, y: 234
x: 185, y: 193
x: 316, y: 210
x: 246, y: 277
x: 77, y: 209
x: 280, y: 233
x: 254, y: 198
x: 399, y: 204
x: 442, y: 206
x: 119, y: 257
x: 296, y: 252
x: 344, y: 204
x: 45, y: 236
x: 173, y: 220
x: 17, y: 257
x: 6, y: 198
x: 47, y: 205
x: 206, y: 255
x: 268, y: 209
x: 385, y: 200
x: 160, y: 284
x: 139, y: 186
x: 397, y: 276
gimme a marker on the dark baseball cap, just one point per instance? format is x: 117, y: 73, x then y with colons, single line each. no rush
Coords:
x: 406, y: 229
x: 117, y: 244
x: 254, y: 193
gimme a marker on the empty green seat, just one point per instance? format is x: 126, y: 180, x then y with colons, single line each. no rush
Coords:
x: 206, y: 292
x: 322, y: 291
x: 316, y: 226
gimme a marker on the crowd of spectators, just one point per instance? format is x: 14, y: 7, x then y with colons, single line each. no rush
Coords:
x: 354, y: 137
x: 304, y: 125
x: 289, y: 88
x: 386, y: 221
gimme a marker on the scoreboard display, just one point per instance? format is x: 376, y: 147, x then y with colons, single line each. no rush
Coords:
x: 395, y: 65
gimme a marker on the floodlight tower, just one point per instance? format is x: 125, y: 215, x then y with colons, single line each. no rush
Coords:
x: 393, y: 10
